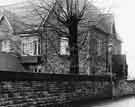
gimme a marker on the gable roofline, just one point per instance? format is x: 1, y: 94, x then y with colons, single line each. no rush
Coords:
x: 7, y: 21
x: 50, y: 12
x: 9, y: 24
x: 100, y: 30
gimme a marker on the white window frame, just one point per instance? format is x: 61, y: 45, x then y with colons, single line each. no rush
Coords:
x: 27, y: 43
x: 64, y: 46
x: 6, y: 45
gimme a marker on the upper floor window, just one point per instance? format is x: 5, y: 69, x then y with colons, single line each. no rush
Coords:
x: 99, y: 47
x: 31, y: 46
x: 64, y: 46
x: 6, y: 46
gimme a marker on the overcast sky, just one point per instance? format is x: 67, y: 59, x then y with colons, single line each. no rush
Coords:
x: 6, y: 2
x: 125, y: 22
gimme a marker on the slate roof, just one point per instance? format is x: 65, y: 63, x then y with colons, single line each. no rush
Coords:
x: 16, y: 23
x: 21, y: 20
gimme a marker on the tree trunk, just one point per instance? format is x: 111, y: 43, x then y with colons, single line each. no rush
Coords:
x: 73, y: 45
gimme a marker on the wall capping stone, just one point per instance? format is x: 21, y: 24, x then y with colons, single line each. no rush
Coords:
x: 21, y: 76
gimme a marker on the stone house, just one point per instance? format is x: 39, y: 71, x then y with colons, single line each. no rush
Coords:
x: 45, y: 51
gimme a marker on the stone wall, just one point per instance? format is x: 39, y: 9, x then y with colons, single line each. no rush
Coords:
x: 40, y: 90
x: 124, y: 88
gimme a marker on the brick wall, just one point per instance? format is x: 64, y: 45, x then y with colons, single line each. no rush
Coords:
x: 39, y: 90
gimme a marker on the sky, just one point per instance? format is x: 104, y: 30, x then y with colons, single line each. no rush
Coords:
x: 125, y: 22
x: 6, y: 2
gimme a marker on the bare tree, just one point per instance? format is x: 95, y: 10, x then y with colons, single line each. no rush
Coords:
x: 70, y: 14
x: 70, y: 18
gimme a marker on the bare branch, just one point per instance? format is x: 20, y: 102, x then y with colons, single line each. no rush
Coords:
x: 83, y: 41
x: 68, y: 17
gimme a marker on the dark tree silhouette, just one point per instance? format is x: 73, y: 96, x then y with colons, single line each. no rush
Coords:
x: 70, y: 15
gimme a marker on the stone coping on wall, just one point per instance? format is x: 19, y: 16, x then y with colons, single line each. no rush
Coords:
x: 21, y: 76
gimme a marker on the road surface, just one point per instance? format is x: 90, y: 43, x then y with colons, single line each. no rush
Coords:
x: 124, y: 102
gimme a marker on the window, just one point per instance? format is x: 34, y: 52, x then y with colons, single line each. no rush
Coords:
x: 64, y: 46
x: 99, y: 47
x: 6, y: 46
x: 30, y: 46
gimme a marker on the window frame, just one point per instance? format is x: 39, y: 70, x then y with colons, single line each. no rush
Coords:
x: 6, y: 45
x: 65, y: 46
x: 30, y: 44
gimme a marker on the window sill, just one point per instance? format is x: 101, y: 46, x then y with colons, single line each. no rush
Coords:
x: 64, y: 56
x: 30, y: 59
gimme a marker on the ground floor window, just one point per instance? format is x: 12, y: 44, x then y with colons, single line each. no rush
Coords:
x: 31, y: 46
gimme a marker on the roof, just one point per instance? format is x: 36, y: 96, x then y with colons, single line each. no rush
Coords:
x: 14, y: 22
x: 22, y: 16
x: 21, y: 20
x: 106, y: 23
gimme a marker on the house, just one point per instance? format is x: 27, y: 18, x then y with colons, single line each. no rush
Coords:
x: 46, y: 51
